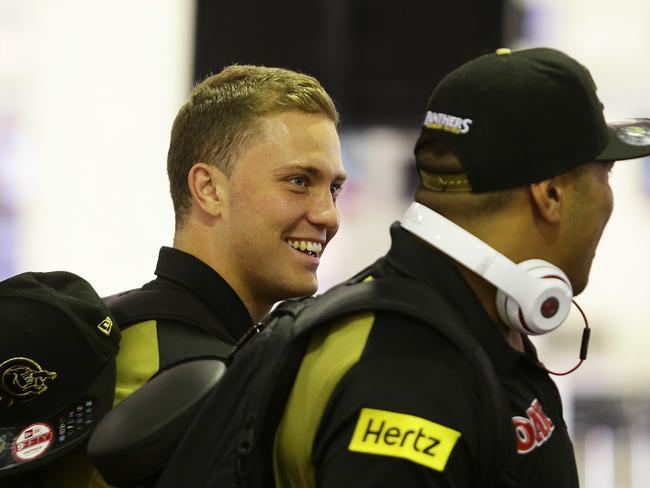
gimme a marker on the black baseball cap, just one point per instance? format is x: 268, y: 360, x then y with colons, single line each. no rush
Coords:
x: 58, y: 343
x: 517, y: 117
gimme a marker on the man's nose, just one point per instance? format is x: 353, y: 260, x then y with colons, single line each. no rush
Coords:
x: 324, y: 212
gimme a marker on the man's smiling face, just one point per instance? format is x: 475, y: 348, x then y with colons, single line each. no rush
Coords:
x: 281, y: 210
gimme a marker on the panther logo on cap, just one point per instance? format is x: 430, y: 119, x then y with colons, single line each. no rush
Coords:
x: 447, y: 123
x: 22, y: 379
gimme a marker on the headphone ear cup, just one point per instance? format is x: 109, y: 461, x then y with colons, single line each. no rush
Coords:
x: 508, y: 310
x: 536, y: 322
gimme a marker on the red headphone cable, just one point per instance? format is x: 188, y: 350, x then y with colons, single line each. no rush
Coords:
x: 583, y: 345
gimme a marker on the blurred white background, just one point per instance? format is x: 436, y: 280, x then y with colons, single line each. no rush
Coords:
x: 88, y: 93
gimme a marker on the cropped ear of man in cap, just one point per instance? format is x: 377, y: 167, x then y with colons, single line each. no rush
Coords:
x: 58, y: 343
x: 514, y: 149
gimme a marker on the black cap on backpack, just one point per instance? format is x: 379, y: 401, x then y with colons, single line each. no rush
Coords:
x: 57, y: 366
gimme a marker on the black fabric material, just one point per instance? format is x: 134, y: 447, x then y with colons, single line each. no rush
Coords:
x: 183, y: 272
x: 129, y: 450
x: 237, y: 424
x: 520, y: 117
x: 174, y: 312
x: 196, y: 312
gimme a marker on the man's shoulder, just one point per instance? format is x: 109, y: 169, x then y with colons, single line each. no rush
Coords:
x: 392, y: 299
x: 161, y: 304
x: 171, y: 324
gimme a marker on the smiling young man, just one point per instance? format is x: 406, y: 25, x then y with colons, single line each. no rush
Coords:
x: 255, y: 168
x: 265, y: 223
x: 254, y: 165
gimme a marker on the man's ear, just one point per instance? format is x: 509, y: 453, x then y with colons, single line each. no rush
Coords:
x: 547, y: 199
x: 209, y: 188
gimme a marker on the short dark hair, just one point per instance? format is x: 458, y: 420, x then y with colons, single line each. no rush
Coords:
x: 437, y: 157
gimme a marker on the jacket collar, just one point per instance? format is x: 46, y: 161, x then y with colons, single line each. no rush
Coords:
x: 417, y: 259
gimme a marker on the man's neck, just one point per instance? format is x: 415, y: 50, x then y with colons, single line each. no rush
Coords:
x: 201, y: 248
x: 486, y: 294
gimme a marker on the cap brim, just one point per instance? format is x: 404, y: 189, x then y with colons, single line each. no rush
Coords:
x: 627, y: 139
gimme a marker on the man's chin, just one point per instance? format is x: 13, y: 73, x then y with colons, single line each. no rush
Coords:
x: 308, y: 288
x: 579, y: 285
x: 296, y: 290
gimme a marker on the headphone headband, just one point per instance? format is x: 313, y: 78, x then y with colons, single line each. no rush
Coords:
x: 541, y: 292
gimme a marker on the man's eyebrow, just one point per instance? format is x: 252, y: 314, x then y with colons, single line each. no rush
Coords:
x: 312, y: 170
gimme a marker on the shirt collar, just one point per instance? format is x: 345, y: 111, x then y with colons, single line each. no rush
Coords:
x: 188, y: 272
x: 419, y: 260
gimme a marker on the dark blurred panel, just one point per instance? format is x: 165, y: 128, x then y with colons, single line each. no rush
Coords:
x: 378, y: 58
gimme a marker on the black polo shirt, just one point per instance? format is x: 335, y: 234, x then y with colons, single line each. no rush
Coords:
x: 382, y: 401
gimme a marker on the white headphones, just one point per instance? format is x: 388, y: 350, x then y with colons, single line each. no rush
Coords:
x: 533, y: 296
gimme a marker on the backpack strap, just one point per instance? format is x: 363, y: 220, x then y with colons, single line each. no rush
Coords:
x: 180, y: 309
x: 414, y: 299
x: 293, y: 307
x: 134, y: 306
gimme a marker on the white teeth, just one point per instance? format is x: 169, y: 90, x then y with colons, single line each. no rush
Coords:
x: 315, y: 247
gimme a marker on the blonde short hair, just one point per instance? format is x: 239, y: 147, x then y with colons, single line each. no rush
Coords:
x: 222, y: 115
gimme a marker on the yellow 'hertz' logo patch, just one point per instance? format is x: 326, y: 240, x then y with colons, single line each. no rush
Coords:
x: 404, y: 436
x: 106, y: 325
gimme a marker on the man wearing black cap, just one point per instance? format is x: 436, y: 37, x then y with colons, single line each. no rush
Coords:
x: 514, y: 157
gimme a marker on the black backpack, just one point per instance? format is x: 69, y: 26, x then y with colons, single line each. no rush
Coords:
x: 230, y: 442
x: 189, y: 319
x: 133, y: 442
